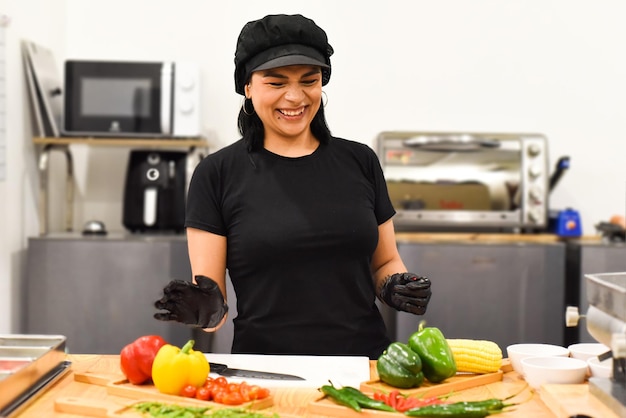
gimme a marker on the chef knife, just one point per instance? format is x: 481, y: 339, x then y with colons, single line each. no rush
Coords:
x: 224, y: 370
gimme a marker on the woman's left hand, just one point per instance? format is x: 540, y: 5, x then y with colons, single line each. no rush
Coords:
x: 407, y: 292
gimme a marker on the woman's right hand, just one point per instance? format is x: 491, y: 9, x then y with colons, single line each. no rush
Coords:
x: 199, y: 304
x: 407, y: 292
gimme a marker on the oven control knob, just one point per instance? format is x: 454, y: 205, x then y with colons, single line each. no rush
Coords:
x: 535, y: 215
x: 535, y: 194
x: 572, y: 316
x: 534, y: 150
x: 534, y: 171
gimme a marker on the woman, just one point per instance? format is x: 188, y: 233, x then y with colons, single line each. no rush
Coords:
x: 301, y: 219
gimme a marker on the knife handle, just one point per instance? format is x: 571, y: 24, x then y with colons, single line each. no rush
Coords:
x: 217, y: 367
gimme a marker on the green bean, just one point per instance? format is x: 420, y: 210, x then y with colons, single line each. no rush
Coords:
x: 161, y: 410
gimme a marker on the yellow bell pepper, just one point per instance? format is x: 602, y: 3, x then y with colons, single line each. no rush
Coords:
x: 174, y: 368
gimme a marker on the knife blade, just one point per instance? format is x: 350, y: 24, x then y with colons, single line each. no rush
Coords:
x: 224, y: 370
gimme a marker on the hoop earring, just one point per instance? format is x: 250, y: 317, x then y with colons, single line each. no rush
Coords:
x: 243, y: 107
x: 324, y: 102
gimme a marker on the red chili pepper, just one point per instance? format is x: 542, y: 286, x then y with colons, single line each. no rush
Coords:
x: 137, y: 357
x: 393, y: 397
x: 401, y: 404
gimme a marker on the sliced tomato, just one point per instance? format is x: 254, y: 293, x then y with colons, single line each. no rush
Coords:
x: 232, y: 398
x: 244, y: 389
x: 203, y: 393
x: 218, y: 396
x: 188, y: 391
x: 263, y: 393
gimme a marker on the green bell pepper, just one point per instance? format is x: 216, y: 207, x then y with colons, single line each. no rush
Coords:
x: 437, y: 359
x: 400, y: 367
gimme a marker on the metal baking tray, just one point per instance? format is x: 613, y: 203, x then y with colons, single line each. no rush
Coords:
x: 607, y: 292
x: 25, y: 361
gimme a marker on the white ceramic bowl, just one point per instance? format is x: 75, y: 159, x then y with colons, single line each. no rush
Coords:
x: 584, y: 351
x: 516, y: 352
x: 555, y: 369
x: 600, y: 368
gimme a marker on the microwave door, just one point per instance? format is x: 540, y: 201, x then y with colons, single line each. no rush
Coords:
x: 167, y: 77
x: 111, y: 98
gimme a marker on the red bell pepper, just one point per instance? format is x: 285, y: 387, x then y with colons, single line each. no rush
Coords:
x: 137, y: 357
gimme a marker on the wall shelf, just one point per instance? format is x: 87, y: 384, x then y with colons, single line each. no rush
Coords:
x: 124, y: 142
x: 49, y: 144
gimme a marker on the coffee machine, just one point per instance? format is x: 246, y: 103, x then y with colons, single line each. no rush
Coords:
x: 155, y: 189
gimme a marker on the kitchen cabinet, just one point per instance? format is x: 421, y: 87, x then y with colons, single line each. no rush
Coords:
x: 589, y: 257
x: 47, y: 145
x: 503, y: 291
x: 99, y: 291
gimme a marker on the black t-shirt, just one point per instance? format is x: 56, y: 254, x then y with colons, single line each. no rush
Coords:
x: 301, y: 233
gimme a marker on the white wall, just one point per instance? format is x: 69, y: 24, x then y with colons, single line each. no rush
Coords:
x: 551, y: 66
x: 30, y: 19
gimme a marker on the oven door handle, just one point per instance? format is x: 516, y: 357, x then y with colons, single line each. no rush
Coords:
x: 463, y: 143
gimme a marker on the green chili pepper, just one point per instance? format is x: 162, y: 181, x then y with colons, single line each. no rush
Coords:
x: 400, y: 367
x: 342, y: 398
x: 437, y: 359
x: 489, y: 404
x: 455, y: 410
x: 365, y: 401
x: 465, y: 409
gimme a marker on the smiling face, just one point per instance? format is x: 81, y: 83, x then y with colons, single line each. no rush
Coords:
x: 286, y: 99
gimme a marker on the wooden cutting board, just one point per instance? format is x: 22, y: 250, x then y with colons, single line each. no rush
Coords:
x: 97, y: 407
x: 450, y: 385
x: 107, y: 408
x: 569, y: 400
x: 327, y: 407
x: 454, y: 384
x: 123, y: 388
x: 128, y: 390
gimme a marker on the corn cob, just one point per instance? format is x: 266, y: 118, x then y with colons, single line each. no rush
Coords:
x: 476, y: 356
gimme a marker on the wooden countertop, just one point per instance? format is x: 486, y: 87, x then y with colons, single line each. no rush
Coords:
x: 125, y: 142
x: 416, y: 237
x: 292, y: 402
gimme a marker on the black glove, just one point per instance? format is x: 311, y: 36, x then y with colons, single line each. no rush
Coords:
x: 200, y: 305
x: 406, y: 292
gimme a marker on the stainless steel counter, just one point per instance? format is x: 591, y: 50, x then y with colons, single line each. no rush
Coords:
x: 99, y: 291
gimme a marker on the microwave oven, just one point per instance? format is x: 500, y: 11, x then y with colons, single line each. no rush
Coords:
x: 131, y: 99
x: 449, y: 181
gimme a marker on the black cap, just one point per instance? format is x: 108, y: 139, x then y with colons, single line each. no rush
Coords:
x: 277, y: 41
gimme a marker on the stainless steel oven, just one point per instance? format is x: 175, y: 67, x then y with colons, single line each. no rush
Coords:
x: 466, y: 181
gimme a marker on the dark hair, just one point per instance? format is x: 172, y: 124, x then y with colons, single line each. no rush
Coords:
x: 251, y: 127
